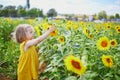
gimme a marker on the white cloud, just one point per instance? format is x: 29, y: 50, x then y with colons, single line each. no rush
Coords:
x: 68, y: 6
x: 117, y: 2
x: 112, y: 9
x: 13, y: 2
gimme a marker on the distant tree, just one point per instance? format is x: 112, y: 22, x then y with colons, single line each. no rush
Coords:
x: 40, y: 13
x: 117, y: 16
x: 34, y: 12
x: 112, y: 17
x: 1, y: 6
x: 84, y: 16
x: 20, y: 7
x: 5, y: 13
x: 94, y: 16
x: 51, y: 13
x: 102, y: 15
x: 21, y: 11
x: 9, y: 11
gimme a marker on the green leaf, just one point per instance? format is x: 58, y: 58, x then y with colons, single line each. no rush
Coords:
x: 71, y: 78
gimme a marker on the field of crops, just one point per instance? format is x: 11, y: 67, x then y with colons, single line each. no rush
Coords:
x: 74, y: 51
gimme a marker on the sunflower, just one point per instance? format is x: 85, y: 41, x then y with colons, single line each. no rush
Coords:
x: 30, y: 21
x: 98, y: 27
x: 45, y: 26
x: 107, y: 60
x: 82, y: 23
x: 118, y: 30
x: 85, y: 31
x: 108, y: 26
x: 54, y: 33
x: 91, y: 36
x: 113, y: 42
x: 37, y: 30
x: 76, y: 27
x: 103, y: 43
x: 96, y: 31
x: 74, y: 64
x: 69, y: 25
x: 61, y: 39
x: 116, y: 27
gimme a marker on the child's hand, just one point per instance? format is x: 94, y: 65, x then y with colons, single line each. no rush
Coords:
x: 52, y: 28
x: 42, y: 67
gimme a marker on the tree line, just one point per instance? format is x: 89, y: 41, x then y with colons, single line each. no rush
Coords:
x: 103, y: 15
x: 20, y: 11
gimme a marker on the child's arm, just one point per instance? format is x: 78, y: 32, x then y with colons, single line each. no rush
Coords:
x: 39, y: 39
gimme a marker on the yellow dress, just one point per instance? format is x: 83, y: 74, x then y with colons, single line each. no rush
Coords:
x: 28, y: 63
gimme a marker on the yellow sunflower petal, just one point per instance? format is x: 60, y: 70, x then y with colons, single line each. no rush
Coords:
x: 61, y: 39
x: 107, y: 60
x: 54, y: 33
x: 103, y: 43
x: 74, y: 64
x: 113, y: 43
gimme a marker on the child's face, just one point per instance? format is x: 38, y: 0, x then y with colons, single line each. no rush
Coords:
x: 30, y: 33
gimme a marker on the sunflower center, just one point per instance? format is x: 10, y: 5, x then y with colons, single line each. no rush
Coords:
x: 61, y: 39
x: 108, y: 26
x: 112, y: 43
x: 76, y: 64
x: 53, y: 32
x: 104, y: 43
x: 86, y: 31
x: 108, y: 60
x: 91, y: 36
x: 47, y: 28
x: 118, y: 30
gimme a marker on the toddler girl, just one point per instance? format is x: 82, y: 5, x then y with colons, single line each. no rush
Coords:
x: 28, y: 62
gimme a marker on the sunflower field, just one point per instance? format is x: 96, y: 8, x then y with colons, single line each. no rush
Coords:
x: 74, y: 51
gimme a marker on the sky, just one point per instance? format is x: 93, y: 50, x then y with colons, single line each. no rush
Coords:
x: 88, y: 7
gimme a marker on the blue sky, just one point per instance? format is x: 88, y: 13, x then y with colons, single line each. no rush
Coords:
x: 88, y: 7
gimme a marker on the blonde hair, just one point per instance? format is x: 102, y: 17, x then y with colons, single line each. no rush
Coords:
x: 20, y: 32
